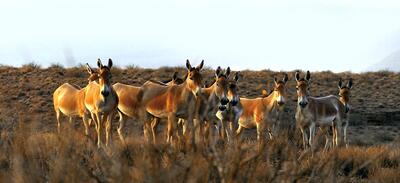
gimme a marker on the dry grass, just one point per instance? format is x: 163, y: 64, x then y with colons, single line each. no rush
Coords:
x: 31, y: 151
x: 27, y: 155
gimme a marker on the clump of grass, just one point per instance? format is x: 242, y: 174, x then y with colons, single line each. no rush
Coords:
x: 56, y: 66
x: 29, y: 67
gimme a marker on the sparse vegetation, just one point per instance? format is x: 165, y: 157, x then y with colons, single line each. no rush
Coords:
x: 31, y: 150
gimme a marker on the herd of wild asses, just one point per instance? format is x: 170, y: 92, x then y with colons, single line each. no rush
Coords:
x: 190, y: 108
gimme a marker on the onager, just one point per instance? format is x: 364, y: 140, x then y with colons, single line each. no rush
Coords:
x: 322, y: 111
x: 69, y: 100
x: 102, y: 101
x: 128, y: 103
x: 230, y: 113
x: 263, y: 112
x: 212, y: 98
x: 171, y: 102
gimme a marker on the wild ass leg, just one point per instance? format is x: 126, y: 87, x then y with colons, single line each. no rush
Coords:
x: 334, y: 135
x: 86, y: 123
x: 260, y: 131
x: 121, y: 126
x: 198, y: 131
x: 270, y: 131
x: 109, y: 119
x: 339, y: 133
x: 94, y: 118
x: 230, y: 131
x: 184, y: 126
x: 312, y: 136
x: 154, y: 125
x: 207, y: 128
x: 325, y: 131
x: 305, y: 138
x: 239, y: 132
x: 221, y: 130
x: 345, y: 133
x: 190, y: 132
x: 58, y: 120
x: 170, y: 127
x: 98, y: 129
x: 146, y: 131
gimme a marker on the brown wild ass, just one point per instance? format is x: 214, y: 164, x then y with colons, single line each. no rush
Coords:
x: 69, y: 100
x: 230, y: 113
x: 263, y: 112
x: 128, y: 102
x: 329, y: 111
x: 102, y: 100
x: 171, y: 102
x: 211, y: 98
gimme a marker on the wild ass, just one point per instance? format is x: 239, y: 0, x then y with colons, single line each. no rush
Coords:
x: 69, y: 100
x: 329, y: 111
x: 128, y: 104
x: 263, y: 112
x: 102, y: 100
x: 171, y: 102
x: 230, y: 113
x: 211, y: 98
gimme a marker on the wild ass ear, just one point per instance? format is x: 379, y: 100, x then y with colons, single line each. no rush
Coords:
x: 276, y: 80
x: 218, y: 72
x: 237, y: 76
x: 188, y: 66
x: 350, y: 84
x: 340, y: 83
x: 110, y: 63
x: 227, y: 72
x: 175, y: 76
x: 89, y: 69
x: 285, y: 78
x: 200, y: 66
x: 297, y: 76
x: 264, y: 93
x: 99, y: 64
x: 308, y: 76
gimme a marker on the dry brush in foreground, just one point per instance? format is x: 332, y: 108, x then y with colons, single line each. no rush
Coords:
x: 27, y: 155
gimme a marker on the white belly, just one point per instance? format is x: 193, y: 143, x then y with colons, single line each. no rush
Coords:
x: 325, y: 120
x: 158, y: 113
x: 68, y: 112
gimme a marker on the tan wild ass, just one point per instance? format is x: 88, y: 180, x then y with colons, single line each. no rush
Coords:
x: 329, y: 111
x: 263, y: 112
x: 102, y: 101
x: 69, y: 100
x: 211, y: 98
x: 128, y: 102
x: 171, y: 102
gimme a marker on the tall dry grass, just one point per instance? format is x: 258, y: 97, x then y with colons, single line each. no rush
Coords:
x: 30, y: 155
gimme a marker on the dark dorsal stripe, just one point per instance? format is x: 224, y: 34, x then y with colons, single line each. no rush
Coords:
x: 157, y: 82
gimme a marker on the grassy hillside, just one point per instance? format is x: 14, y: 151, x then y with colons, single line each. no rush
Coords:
x: 31, y: 151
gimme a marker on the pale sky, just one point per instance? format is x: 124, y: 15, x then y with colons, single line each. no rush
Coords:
x: 339, y: 35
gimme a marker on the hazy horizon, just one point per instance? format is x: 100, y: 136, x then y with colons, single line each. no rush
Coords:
x: 277, y: 35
